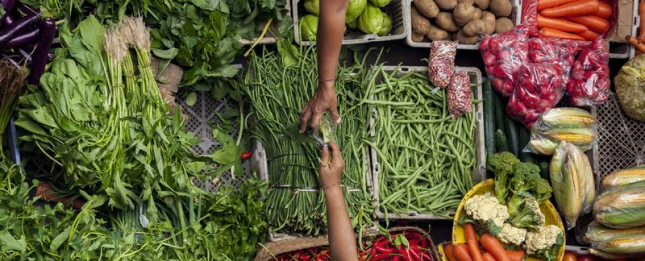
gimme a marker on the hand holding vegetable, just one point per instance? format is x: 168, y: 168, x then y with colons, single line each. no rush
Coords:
x: 324, y: 100
x: 332, y: 167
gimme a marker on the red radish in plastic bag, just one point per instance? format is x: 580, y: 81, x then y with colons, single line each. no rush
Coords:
x: 589, y: 84
x: 503, y: 54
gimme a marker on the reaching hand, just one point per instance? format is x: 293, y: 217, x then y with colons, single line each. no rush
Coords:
x: 332, y: 167
x: 324, y: 100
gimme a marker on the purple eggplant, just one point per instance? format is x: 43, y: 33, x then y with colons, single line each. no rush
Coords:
x: 28, y: 10
x: 47, y: 32
x: 8, y: 33
x: 6, y: 21
x: 7, y: 5
x: 22, y: 39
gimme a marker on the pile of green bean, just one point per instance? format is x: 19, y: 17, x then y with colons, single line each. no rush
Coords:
x: 278, y: 92
x: 426, y: 157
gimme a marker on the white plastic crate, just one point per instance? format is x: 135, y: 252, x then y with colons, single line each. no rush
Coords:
x: 516, y: 16
x: 394, y: 10
x: 479, y: 172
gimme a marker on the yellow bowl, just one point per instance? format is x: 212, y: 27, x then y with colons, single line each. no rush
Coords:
x: 549, y: 211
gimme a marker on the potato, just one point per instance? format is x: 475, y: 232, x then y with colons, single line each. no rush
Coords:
x: 478, y: 14
x: 427, y: 7
x: 463, y: 13
x: 417, y: 37
x: 501, y: 8
x: 482, y: 4
x: 436, y: 33
x: 466, y: 1
x: 445, y: 22
x: 447, y: 5
x: 503, y: 25
x: 462, y: 39
x: 489, y: 18
x: 475, y: 27
x: 420, y: 24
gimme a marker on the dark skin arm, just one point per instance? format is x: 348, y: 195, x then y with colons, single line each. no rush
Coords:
x: 341, y: 235
x: 331, y: 27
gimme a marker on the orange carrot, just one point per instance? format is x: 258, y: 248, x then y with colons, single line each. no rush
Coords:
x: 471, y: 240
x: 594, y: 23
x: 641, y: 12
x: 634, y: 41
x: 550, y: 32
x: 589, y: 35
x: 515, y: 255
x: 580, y: 7
x: 488, y: 257
x: 604, y: 10
x: 494, y: 247
x: 560, y: 23
x: 461, y: 253
x: 449, y: 250
x: 543, y: 4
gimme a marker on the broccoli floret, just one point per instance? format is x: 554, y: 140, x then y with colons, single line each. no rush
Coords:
x: 529, y: 215
x: 502, y: 165
x: 543, y: 191
x: 526, y: 177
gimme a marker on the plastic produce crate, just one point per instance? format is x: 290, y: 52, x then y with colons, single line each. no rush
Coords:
x: 269, y: 37
x: 516, y: 16
x: 394, y: 10
x: 621, y: 142
x: 479, y: 172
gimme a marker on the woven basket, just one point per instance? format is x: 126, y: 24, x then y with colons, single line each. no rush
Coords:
x: 271, y: 249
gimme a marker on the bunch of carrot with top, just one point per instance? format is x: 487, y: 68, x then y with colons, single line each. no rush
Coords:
x: 574, y: 19
x: 639, y: 40
x: 471, y: 251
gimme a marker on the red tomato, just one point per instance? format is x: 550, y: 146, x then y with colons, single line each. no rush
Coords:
x: 569, y: 256
x: 586, y: 258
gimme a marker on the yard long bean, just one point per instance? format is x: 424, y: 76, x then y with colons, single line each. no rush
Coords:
x: 277, y: 92
x: 426, y: 156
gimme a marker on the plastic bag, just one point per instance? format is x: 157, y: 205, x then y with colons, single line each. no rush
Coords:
x: 503, y: 54
x: 572, y: 181
x: 573, y: 125
x: 530, y: 15
x: 539, y: 88
x: 459, y: 94
x: 441, y: 63
x: 325, y: 132
x: 589, y: 85
x: 621, y: 206
x: 553, y: 50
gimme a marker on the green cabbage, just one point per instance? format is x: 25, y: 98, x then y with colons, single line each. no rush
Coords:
x: 354, y: 10
x: 374, y: 21
x: 630, y: 87
x: 312, y: 6
x: 309, y: 27
x: 380, y: 3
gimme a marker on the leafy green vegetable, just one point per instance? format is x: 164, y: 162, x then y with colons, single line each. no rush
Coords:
x: 354, y: 10
x: 309, y: 27
x: 374, y: 21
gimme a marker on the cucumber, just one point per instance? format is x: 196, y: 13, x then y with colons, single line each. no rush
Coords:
x: 489, y: 117
x: 511, y: 130
x: 524, y: 139
x: 500, y: 141
x: 544, y: 170
x: 499, y: 112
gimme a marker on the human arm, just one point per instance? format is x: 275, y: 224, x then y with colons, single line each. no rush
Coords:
x: 331, y: 27
x: 341, y: 235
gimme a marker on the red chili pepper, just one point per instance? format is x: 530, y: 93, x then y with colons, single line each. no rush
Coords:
x: 414, y: 241
x: 246, y: 155
x: 425, y: 256
x: 412, y: 235
x: 381, y: 248
x: 424, y: 242
x: 415, y: 252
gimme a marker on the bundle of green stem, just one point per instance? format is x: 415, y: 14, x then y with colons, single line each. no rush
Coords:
x: 278, y: 91
x: 12, y: 81
x: 426, y: 157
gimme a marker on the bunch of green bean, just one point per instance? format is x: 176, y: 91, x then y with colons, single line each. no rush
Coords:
x: 278, y: 92
x: 426, y: 157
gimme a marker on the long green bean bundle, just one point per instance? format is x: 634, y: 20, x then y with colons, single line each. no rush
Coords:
x: 277, y: 92
x: 426, y: 157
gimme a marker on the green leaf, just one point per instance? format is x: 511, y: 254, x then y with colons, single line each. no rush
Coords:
x: 229, y: 154
x: 166, y: 54
x: 59, y: 239
x: 289, y: 52
x: 9, y: 242
x: 191, y: 99
x: 92, y: 33
x: 210, y: 5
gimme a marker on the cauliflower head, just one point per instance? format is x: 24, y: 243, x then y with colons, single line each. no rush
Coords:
x: 542, y: 239
x: 512, y: 235
x: 486, y: 207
